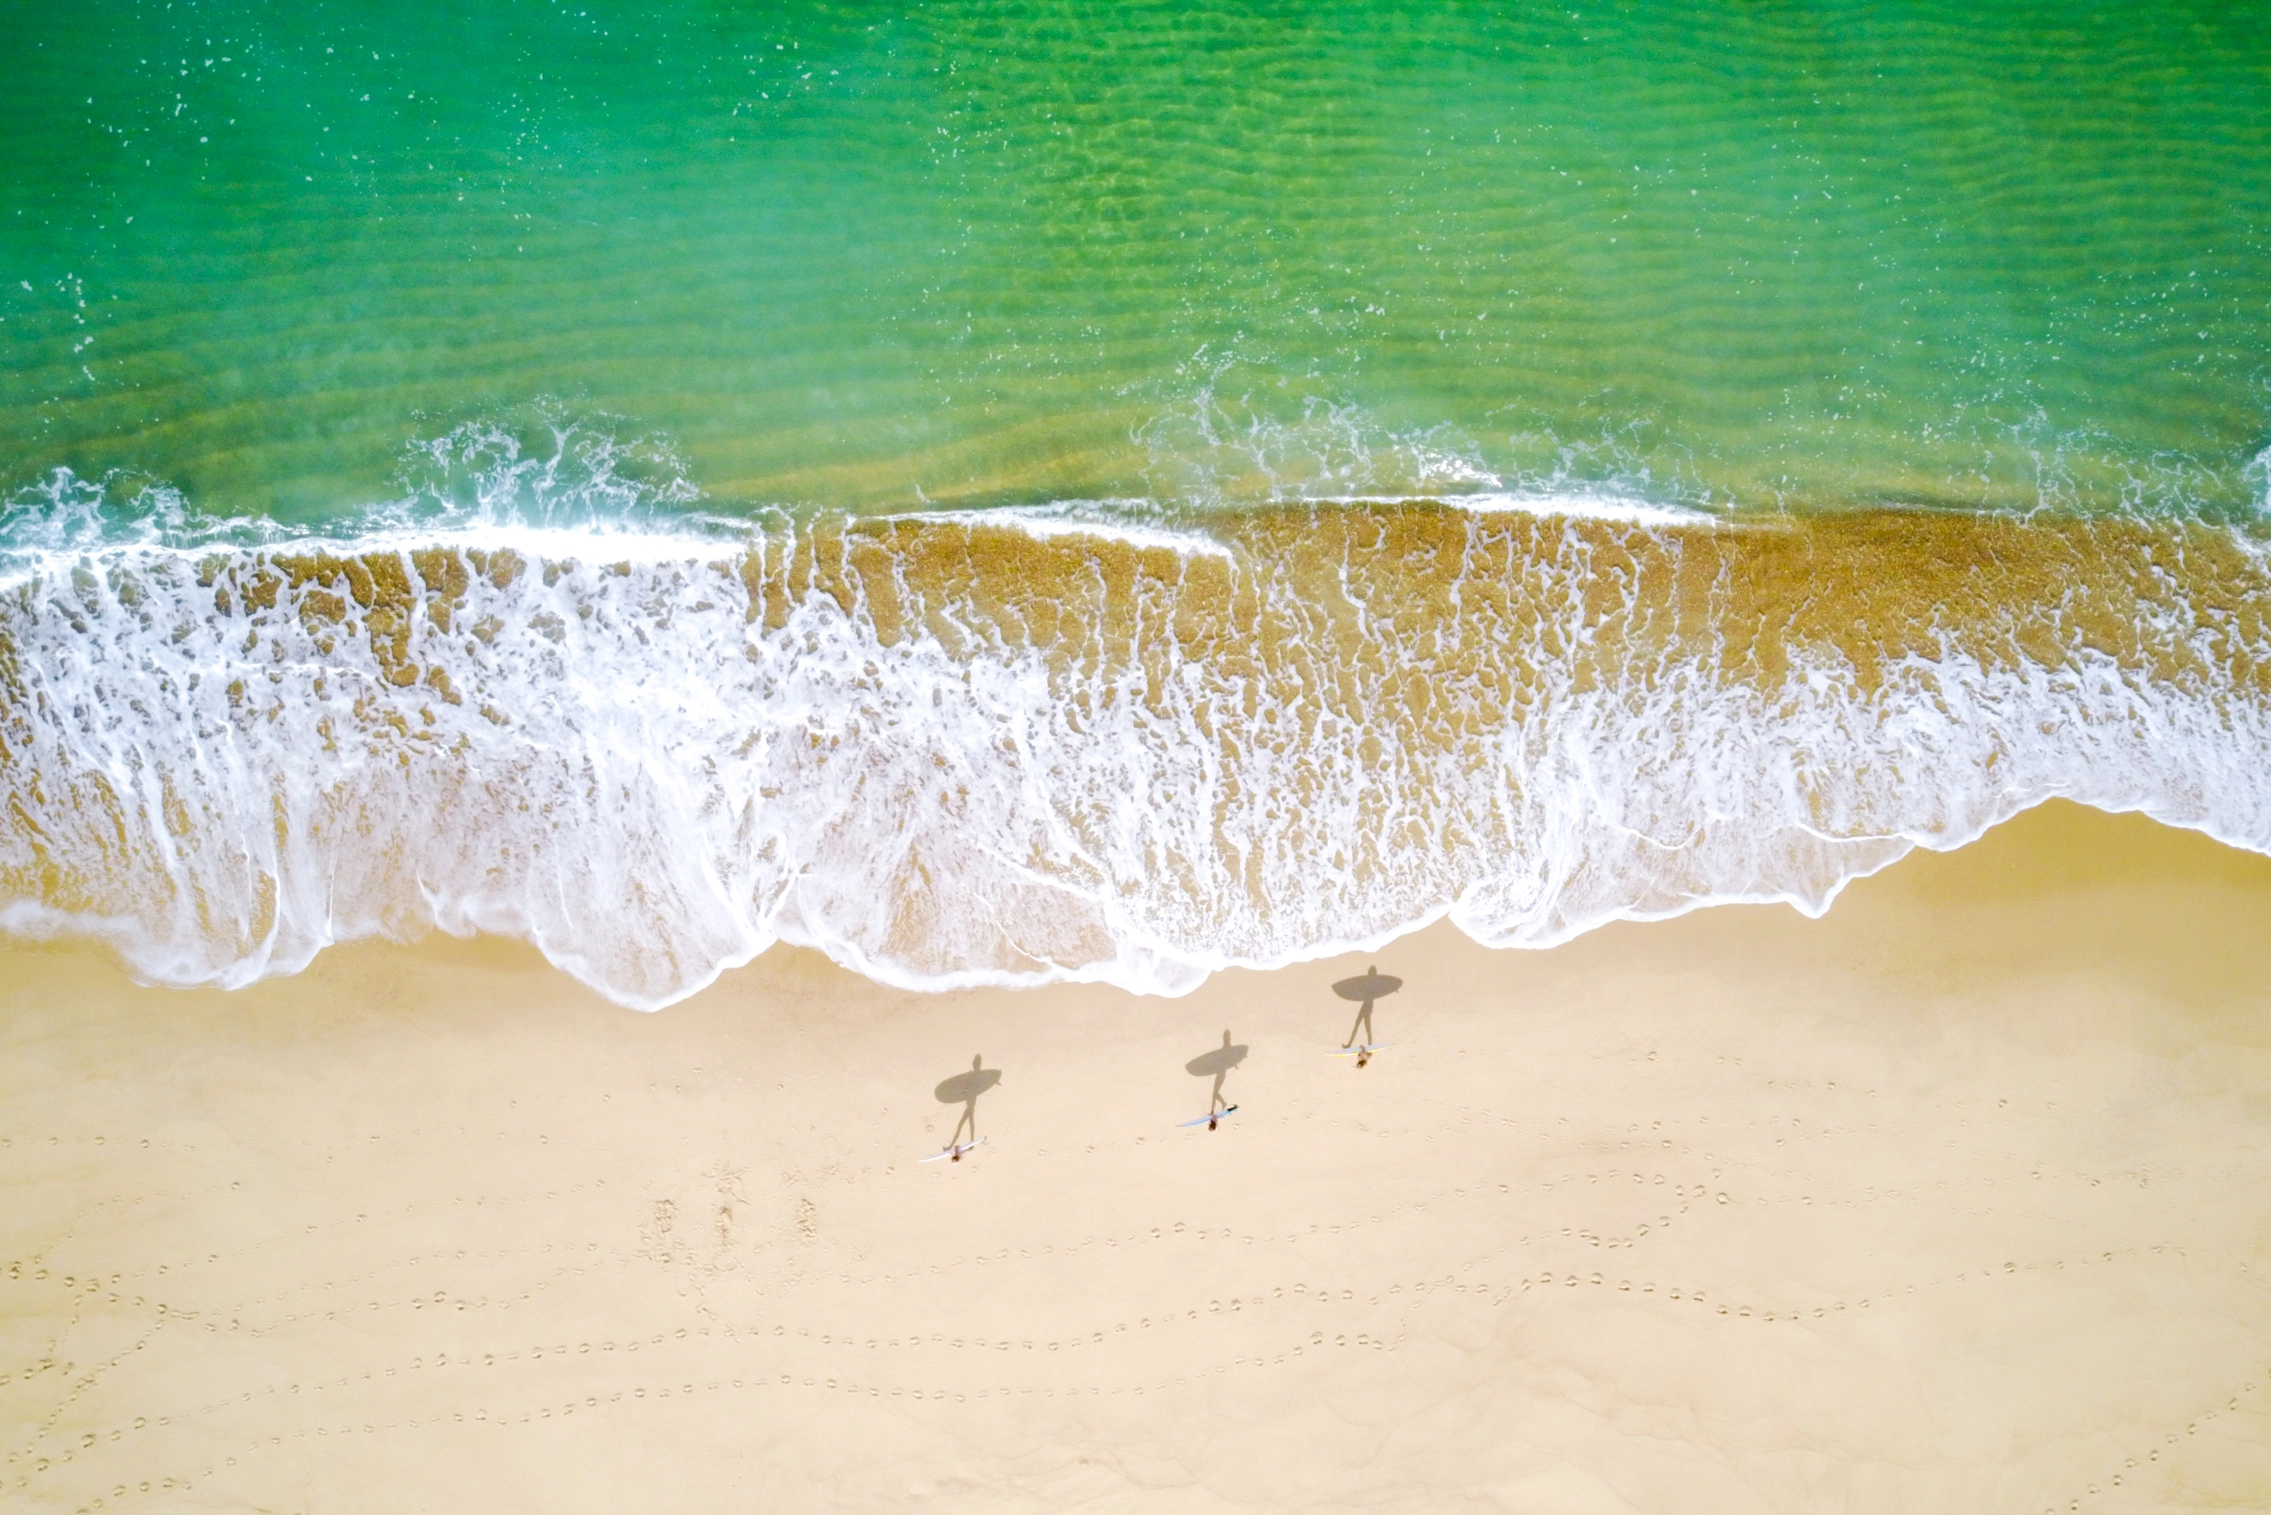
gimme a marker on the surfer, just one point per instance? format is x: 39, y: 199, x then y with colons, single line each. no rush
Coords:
x: 1216, y: 1064
x: 1367, y: 986
x: 963, y: 1089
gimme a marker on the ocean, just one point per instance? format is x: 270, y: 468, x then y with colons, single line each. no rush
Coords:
x: 1017, y: 492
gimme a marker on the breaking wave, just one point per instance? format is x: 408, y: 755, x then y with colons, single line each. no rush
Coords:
x: 1016, y: 746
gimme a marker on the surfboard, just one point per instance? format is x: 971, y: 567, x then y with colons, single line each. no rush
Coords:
x: 953, y: 1151
x: 1207, y: 1120
x: 1357, y: 1051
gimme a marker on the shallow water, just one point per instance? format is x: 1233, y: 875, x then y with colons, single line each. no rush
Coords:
x: 1740, y: 254
x: 1020, y: 491
x: 985, y: 748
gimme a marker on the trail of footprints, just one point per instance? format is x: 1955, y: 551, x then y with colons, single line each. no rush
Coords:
x: 686, y: 1381
x: 1293, y: 1322
x: 2114, y: 1480
x: 1683, y: 1189
x: 1495, y: 1286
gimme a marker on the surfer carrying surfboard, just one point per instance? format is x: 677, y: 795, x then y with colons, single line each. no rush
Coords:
x: 1216, y: 1064
x: 1367, y: 986
x: 963, y: 1089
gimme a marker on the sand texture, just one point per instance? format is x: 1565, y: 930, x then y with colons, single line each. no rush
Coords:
x: 1954, y: 1200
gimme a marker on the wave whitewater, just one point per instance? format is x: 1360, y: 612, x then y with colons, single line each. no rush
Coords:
x: 980, y: 748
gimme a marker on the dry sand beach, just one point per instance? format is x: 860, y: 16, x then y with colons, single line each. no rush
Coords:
x: 1955, y: 1199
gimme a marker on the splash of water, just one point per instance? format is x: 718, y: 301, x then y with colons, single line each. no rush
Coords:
x: 955, y: 751
x: 540, y: 466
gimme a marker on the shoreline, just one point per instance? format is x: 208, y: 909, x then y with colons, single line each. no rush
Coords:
x: 436, y: 1227
x: 961, y: 754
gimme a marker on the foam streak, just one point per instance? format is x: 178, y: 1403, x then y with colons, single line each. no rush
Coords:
x: 976, y: 749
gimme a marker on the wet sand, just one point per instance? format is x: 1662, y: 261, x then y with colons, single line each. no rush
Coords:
x: 1958, y: 1198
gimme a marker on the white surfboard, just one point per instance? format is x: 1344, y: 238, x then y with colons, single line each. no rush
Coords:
x: 1358, y: 1051
x: 1208, y: 1120
x: 953, y: 1151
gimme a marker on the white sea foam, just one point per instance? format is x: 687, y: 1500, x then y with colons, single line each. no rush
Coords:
x: 654, y: 753
x: 537, y: 469
x: 1578, y: 504
x: 62, y: 514
x: 1133, y: 523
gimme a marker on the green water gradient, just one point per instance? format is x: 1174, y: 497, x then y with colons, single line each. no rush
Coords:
x: 1764, y: 254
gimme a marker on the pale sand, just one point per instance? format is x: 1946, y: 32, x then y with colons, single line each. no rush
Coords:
x: 1955, y: 1200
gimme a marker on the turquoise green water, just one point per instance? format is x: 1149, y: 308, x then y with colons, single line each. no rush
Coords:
x: 850, y: 255
x: 1178, y: 486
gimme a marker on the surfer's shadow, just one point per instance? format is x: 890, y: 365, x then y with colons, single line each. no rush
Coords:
x: 1216, y: 1064
x: 965, y: 1089
x: 1364, y: 990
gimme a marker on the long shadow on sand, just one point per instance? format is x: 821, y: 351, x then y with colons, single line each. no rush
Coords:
x: 1216, y: 1065
x: 963, y: 1089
